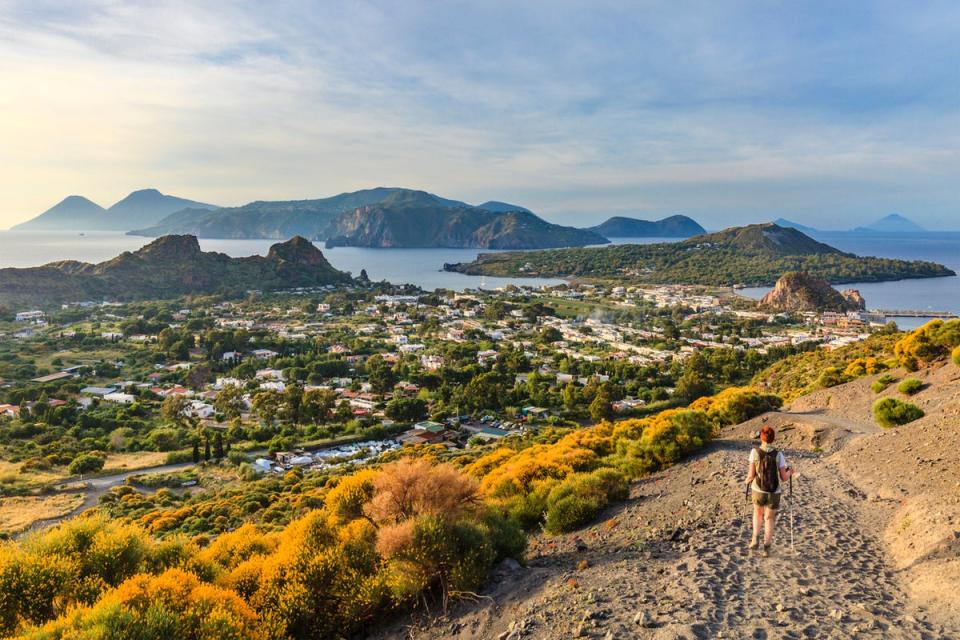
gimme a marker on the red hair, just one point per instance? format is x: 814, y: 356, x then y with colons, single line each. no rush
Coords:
x: 767, y: 434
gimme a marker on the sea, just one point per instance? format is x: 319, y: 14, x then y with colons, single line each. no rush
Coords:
x: 424, y: 267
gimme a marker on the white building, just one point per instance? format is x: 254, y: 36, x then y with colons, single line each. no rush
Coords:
x: 30, y: 316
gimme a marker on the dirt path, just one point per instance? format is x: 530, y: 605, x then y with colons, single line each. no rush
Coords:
x: 672, y: 562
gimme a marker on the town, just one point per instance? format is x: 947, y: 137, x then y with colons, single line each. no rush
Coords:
x: 318, y: 379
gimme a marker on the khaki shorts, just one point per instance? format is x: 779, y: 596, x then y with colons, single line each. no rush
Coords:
x: 768, y: 500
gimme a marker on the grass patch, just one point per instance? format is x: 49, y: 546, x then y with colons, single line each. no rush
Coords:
x: 17, y: 514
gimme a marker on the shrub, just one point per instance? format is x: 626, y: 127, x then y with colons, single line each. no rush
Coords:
x: 910, y: 386
x: 863, y: 367
x: 85, y: 463
x: 956, y: 356
x: 930, y: 342
x: 736, y: 404
x: 831, y: 377
x: 882, y: 383
x: 174, y: 604
x: 579, y: 499
x: 891, y: 412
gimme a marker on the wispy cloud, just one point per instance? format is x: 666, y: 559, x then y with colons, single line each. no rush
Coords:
x: 732, y: 112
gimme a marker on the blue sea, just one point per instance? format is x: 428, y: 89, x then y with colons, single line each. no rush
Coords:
x: 423, y: 267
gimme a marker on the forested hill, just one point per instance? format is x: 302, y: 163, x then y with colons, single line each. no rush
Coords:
x: 167, y: 267
x: 754, y: 255
x: 671, y: 227
x: 419, y: 219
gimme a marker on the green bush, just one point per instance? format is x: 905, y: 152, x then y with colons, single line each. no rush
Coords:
x: 85, y: 463
x: 580, y: 498
x: 831, y: 377
x: 890, y: 412
x: 176, y: 457
x: 910, y: 386
x: 956, y: 356
x: 882, y: 382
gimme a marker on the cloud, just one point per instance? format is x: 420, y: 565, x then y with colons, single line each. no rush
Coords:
x: 729, y: 111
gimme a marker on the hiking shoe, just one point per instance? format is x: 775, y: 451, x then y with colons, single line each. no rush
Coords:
x: 766, y: 551
x: 754, y: 545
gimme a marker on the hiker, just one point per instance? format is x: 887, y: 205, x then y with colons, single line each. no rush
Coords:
x: 768, y: 468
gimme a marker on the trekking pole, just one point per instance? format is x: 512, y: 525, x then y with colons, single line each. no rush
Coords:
x: 748, y: 521
x: 790, y: 506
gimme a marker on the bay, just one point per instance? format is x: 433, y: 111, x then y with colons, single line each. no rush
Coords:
x: 421, y: 267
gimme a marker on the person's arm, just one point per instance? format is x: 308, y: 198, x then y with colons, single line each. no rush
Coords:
x: 752, y: 471
x: 785, y: 472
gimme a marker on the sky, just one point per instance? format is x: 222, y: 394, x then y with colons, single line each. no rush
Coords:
x: 831, y: 113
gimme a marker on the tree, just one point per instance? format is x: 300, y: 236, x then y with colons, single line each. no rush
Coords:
x: 601, y: 408
x: 218, y: 446
x: 173, y: 408
x: 293, y: 400
x: 198, y: 376
x: 572, y: 396
x: 692, y: 386
x: 196, y: 451
x: 380, y: 374
x: 230, y: 401
x: 317, y: 404
x: 206, y: 448
x: 483, y: 393
x: 267, y: 405
x: 406, y: 409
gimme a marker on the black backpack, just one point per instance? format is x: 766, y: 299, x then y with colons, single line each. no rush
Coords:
x: 768, y: 472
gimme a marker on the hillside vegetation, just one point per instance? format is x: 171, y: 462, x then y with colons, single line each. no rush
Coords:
x: 382, y: 540
x: 755, y: 255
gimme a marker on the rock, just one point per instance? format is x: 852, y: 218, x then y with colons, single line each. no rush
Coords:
x: 799, y: 291
x: 644, y: 619
x: 509, y: 565
x: 580, y: 545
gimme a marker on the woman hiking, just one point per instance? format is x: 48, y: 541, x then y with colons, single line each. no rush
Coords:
x: 768, y: 468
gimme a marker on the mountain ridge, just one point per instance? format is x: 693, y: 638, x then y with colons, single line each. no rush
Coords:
x: 417, y: 219
x: 78, y: 213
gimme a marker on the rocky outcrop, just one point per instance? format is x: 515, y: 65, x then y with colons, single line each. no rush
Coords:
x: 799, y: 291
x: 855, y: 299
x: 168, y: 267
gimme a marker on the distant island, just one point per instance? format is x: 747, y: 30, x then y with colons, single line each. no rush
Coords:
x: 790, y: 224
x: 168, y: 267
x: 140, y: 208
x: 381, y: 217
x: 893, y: 223
x: 671, y: 227
x: 754, y: 255
x: 419, y: 219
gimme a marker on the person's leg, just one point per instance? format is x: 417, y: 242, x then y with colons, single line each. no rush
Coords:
x: 771, y: 520
x: 757, y: 525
